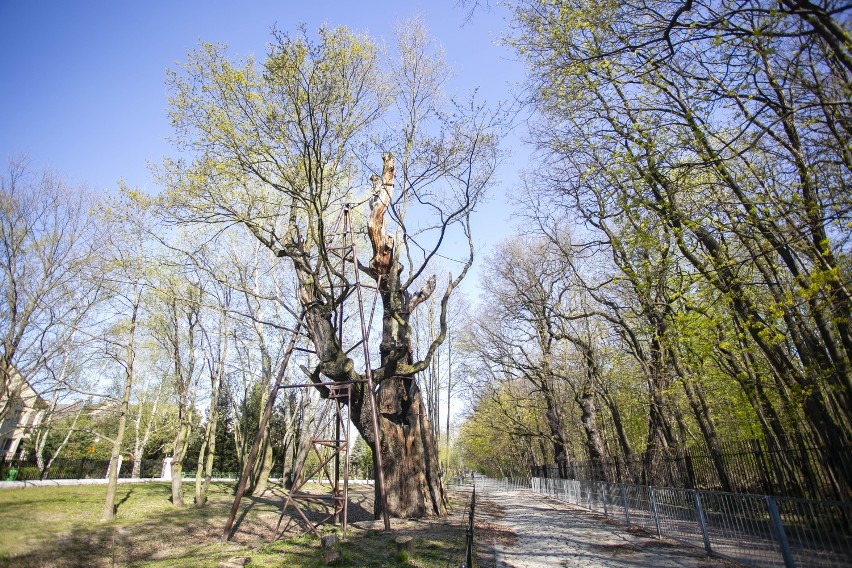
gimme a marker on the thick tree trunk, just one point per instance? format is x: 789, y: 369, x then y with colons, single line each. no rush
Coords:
x: 587, y: 400
x: 410, y: 457
x: 661, y: 434
x: 556, y: 423
x: 410, y: 465
x: 589, y: 418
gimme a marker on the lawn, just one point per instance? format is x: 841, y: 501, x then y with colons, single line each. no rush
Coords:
x: 59, y: 526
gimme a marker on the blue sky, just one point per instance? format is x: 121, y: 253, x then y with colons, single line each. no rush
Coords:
x: 84, y: 90
x: 84, y: 80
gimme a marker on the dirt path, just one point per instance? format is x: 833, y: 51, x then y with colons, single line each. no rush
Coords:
x: 550, y: 534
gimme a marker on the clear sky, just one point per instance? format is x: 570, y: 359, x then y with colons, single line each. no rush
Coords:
x: 83, y: 81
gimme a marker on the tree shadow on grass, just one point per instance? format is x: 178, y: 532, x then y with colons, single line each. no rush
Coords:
x: 190, y: 536
x: 124, y: 499
x: 166, y: 534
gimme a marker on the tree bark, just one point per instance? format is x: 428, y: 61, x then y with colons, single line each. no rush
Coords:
x: 140, y: 443
x: 302, y: 439
x: 410, y: 465
x: 185, y: 382
x: 208, y: 447
x: 112, y: 485
x: 265, y: 463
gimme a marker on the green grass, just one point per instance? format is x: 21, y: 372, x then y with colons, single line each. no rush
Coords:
x: 60, y: 526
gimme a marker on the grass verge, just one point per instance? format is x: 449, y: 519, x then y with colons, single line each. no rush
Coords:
x: 60, y: 527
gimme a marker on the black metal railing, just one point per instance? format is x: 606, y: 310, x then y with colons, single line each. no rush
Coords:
x: 755, y: 530
x: 468, y: 553
x: 73, y: 468
x: 743, y: 467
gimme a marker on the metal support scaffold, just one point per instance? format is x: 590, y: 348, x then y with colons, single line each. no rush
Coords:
x: 334, y: 420
x: 331, y: 438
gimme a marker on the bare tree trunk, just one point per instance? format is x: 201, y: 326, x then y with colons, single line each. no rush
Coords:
x: 44, y: 429
x: 288, y: 442
x: 112, y: 485
x: 140, y: 444
x: 618, y: 424
x: 588, y: 417
x: 411, y: 470
x: 708, y: 430
x: 40, y: 451
x: 260, y: 463
x: 179, y: 450
x: 216, y: 367
x: 178, y: 454
x: 410, y: 466
x: 449, y: 394
x: 303, y: 439
x: 266, y: 463
x: 556, y: 423
x: 208, y: 449
x: 184, y: 380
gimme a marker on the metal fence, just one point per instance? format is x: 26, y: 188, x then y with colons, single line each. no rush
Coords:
x: 468, y: 551
x: 740, y: 467
x: 757, y: 530
x: 484, y: 484
x: 74, y: 468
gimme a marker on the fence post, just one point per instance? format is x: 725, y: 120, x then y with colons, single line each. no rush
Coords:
x: 603, y: 498
x: 778, y: 527
x: 702, y: 522
x: 624, y: 502
x: 469, y: 556
x: 653, y: 496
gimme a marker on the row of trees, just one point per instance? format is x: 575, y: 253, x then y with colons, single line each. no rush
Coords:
x: 182, y: 303
x: 684, y: 276
x: 140, y: 335
x: 279, y: 150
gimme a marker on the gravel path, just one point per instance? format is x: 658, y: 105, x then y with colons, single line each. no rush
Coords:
x: 552, y: 534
